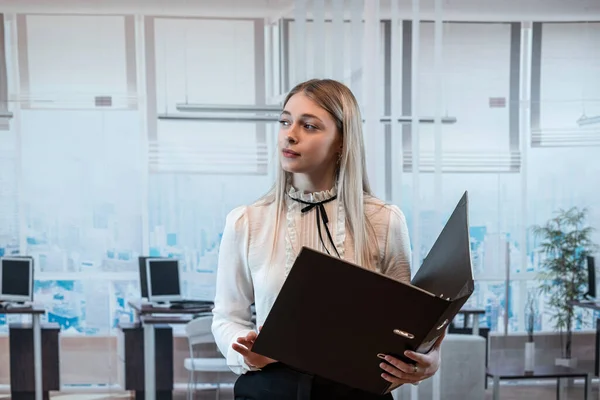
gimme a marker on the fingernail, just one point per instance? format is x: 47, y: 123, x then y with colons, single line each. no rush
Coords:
x: 408, y: 353
x: 381, y: 355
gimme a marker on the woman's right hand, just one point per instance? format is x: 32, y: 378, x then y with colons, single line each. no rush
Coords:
x: 244, y: 347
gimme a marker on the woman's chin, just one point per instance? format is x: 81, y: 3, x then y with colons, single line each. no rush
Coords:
x: 292, y: 170
x: 291, y: 167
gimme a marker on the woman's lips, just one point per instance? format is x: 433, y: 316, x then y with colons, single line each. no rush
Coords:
x: 290, y: 153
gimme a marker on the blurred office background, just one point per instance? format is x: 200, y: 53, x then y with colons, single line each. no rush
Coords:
x: 132, y: 127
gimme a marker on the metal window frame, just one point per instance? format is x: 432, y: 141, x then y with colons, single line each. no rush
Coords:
x: 262, y: 166
x: 552, y: 137
x: 5, y: 114
x: 512, y: 159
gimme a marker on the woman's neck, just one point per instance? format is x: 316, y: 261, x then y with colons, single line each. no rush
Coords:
x: 304, y: 183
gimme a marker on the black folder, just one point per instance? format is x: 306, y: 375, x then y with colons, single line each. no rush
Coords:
x: 332, y: 318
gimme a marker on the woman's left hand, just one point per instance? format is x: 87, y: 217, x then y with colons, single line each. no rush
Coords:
x: 398, y: 372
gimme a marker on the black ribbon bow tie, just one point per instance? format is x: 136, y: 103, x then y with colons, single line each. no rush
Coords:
x: 321, y: 215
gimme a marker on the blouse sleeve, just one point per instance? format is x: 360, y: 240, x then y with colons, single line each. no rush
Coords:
x: 234, y: 290
x: 397, y: 257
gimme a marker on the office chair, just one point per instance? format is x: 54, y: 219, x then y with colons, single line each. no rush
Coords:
x: 198, y: 331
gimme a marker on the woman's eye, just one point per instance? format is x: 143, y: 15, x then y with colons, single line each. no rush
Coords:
x: 284, y: 122
x: 310, y: 127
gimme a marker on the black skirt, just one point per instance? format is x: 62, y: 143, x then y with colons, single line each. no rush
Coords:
x: 279, y: 382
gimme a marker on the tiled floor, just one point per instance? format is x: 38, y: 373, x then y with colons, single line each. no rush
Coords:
x: 507, y: 392
x: 76, y: 396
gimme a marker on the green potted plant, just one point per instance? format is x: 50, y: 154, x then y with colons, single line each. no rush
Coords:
x: 565, y: 243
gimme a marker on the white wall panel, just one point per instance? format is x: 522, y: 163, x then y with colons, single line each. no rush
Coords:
x: 71, y: 59
x: 209, y: 61
x: 570, y: 74
x: 476, y: 67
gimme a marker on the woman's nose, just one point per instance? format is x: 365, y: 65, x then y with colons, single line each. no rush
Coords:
x: 291, y: 138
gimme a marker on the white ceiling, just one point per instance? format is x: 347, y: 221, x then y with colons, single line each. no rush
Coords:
x: 207, y: 8
x: 467, y: 10
x: 509, y: 10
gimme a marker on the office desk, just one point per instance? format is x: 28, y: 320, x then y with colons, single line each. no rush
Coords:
x: 517, y: 372
x: 22, y: 365
x: 153, y: 317
x: 36, y: 312
x: 593, y: 305
x: 131, y: 360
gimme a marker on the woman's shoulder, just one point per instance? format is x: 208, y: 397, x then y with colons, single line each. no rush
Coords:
x: 237, y: 218
x: 378, y: 210
x: 243, y: 215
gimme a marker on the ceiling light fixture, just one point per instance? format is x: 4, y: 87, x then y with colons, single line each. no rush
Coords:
x: 226, y: 108
x: 585, y: 120
x: 218, y: 117
x: 259, y: 113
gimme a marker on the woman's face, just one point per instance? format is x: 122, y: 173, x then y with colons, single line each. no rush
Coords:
x: 309, y: 140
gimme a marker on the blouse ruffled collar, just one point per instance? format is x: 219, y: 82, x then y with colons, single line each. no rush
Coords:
x: 294, y: 207
x: 313, y: 197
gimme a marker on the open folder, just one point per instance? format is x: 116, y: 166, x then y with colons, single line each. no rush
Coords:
x: 332, y: 318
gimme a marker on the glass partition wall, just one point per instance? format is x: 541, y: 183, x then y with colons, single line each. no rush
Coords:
x: 127, y: 132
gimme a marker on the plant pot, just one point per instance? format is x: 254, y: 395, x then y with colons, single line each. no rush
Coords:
x: 529, y: 356
x: 566, y: 362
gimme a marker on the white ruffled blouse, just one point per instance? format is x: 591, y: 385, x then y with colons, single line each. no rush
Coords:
x: 247, y: 275
x: 302, y: 229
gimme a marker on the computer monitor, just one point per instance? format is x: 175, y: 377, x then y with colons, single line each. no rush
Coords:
x: 16, y: 279
x: 143, y: 277
x: 591, y: 269
x: 163, y: 279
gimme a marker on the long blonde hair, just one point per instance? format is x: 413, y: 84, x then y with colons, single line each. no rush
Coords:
x: 352, y: 180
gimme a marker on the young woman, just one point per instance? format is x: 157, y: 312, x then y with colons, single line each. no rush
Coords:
x: 322, y: 162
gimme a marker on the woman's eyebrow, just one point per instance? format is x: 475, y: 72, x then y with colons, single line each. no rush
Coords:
x: 303, y: 116
x: 311, y: 116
